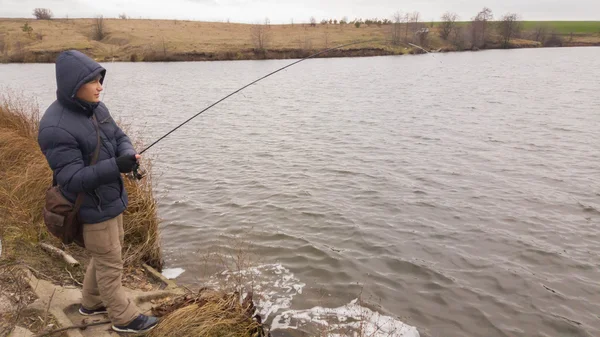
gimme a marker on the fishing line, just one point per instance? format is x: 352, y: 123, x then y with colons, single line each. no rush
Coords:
x: 251, y: 83
x: 140, y: 175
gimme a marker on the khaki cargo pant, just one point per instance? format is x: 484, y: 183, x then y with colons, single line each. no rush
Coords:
x: 102, y: 282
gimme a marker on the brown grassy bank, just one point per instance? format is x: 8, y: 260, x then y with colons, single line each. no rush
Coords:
x: 173, y: 40
x: 24, y: 178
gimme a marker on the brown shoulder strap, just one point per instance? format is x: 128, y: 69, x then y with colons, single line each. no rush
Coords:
x: 81, y: 195
x: 97, y: 151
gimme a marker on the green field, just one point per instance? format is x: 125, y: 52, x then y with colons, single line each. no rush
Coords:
x: 561, y: 27
x: 566, y: 27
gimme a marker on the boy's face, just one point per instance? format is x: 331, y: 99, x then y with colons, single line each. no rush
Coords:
x: 90, y: 92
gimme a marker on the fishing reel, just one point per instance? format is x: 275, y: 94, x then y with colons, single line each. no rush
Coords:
x: 137, y: 173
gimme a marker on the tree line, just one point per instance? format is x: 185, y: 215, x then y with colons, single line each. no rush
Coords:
x: 477, y: 33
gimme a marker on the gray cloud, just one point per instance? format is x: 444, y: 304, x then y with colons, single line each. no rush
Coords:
x: 283, y: 11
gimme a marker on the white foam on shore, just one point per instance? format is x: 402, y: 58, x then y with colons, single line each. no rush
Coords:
x: 338, y: 322
x: 172, y: 273
x: 275, y: 287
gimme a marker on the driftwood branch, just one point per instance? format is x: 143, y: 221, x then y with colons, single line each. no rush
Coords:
x: 60, y: 253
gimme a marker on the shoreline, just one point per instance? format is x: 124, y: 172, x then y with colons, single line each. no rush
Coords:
x: 281, y: 54
x: 129, y: 40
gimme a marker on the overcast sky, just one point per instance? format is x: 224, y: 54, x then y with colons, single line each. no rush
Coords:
x: 283, y: 11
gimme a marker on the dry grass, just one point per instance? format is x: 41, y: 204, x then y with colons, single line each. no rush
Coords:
x: 141, y: 223
x: 15, y: 292
x: 165, y: 39
x: 208, y: 313
x: 173, y: 40
x: 218, y: 310
x: 25, y: 176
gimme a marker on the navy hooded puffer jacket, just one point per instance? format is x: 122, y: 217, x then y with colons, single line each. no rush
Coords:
x: 67, y: 137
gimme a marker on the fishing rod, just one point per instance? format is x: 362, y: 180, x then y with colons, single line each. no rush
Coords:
x: 139, y: 173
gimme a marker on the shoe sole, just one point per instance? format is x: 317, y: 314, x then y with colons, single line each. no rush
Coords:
x: 131, y: 330
x: 92, y: 314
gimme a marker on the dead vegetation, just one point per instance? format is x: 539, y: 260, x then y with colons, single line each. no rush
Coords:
x: 107, y: 39
x: 15, y: 296
x: 24, y: 178
x: 226, y: 308
x: 208, y: 313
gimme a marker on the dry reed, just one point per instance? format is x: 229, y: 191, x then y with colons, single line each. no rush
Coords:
x: 208, y: 313
x: 25, y: 176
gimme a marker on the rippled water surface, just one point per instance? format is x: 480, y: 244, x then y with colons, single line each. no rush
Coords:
x: 459, y: 193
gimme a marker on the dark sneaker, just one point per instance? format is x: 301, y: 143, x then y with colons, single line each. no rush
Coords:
x: 87, y: 312
x: 141, y: 324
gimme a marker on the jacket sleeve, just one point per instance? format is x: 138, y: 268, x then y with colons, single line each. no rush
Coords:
x: 66, y: 160
x: 124, y: 146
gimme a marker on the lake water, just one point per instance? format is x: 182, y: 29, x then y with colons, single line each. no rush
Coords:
x: 457, y: 193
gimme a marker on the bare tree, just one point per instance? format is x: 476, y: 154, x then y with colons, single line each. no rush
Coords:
x: 555, y: 40
x: 508, y: 28
x: 479, y: 27
x: 406, y: 21
x: 540, y: 33
x: 313, y: 21
x: 415, y: 19
x: 459, y: 37
x: 43, y: 14
x: 448, y: 24
x: 261, y: 36
x: 396, y: 29
x: 123, y: 16
x: 98, y: 31
x: 485, y: 16
x: 413, y: 24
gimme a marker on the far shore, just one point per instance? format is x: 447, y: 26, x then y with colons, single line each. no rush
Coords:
x: 132, y: 40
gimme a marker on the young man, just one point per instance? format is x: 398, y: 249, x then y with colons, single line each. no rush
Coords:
x: 68, y: 139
